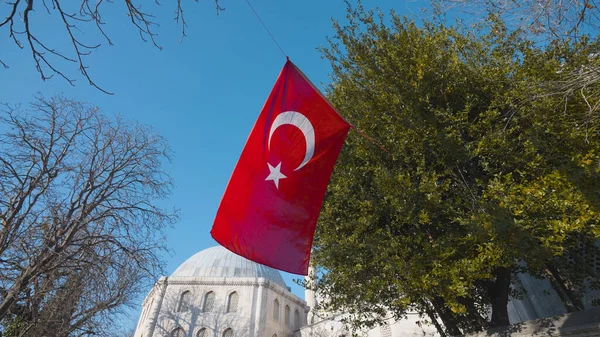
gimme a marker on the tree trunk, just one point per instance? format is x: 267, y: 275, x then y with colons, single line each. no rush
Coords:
x: 498, y: 291
x: 446, y: 317
x: 476, y: 321
x: 11, y: 296
x: 567, y: 294
x: 24, y: 280
x: 431, y: 313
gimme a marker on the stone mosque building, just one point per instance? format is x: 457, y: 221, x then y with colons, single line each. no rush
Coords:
x: 216, y: 293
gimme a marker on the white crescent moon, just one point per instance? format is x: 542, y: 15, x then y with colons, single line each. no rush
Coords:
x: 301, y: 122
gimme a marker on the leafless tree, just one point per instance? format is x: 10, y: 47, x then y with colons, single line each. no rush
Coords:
x: 80, y: 224
x: 549, y: 19
x: 548, y: 22
x: 80, y: 20
x: 76, y: 303
x: 584, y: 84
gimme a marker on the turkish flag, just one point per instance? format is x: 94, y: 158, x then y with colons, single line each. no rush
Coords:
x: 271, y: 205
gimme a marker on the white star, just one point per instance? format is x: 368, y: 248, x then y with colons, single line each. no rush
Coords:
x: 275, y: 174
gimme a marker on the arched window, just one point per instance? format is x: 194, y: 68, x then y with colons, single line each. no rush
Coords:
x: 184, y: 301
x: 385, y: 330
x: 202, y: 333
x: 276, y: 310
x: 287, y: 315
x: 296, y: 319
x: 178, y: 332
x: 209, y: 302
x: 232, y: 302
x: 228, y: 333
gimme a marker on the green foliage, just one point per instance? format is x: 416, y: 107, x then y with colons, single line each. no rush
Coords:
x: 484, y: 168
x: 13, y: 327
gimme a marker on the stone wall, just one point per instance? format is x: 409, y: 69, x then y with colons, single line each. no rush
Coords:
x: 579, y: 324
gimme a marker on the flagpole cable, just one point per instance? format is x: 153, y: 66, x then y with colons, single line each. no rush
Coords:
x: 266, y: 28
x: 364, y: 135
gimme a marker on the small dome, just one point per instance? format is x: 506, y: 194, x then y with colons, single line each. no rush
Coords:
x: 220, y: 262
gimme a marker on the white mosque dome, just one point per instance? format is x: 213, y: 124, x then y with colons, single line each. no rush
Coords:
x: 220, y: 262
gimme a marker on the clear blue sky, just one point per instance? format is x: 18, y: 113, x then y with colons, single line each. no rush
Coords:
x: 203, y: 95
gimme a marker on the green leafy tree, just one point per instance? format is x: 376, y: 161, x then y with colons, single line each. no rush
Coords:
x: 484, y: 175
x: 565, y: 23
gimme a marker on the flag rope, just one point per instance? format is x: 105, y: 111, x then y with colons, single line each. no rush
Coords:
x: 266, y: 28
x: 364, y: 135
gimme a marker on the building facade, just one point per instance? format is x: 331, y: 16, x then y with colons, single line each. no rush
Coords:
x: 216, y: 293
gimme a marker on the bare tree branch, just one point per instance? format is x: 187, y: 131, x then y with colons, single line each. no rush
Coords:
x: 79, y: 222
x: 84, y: 18
x: 548, y: 19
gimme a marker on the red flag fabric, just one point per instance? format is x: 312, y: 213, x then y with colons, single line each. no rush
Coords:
x: 270, y: 208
